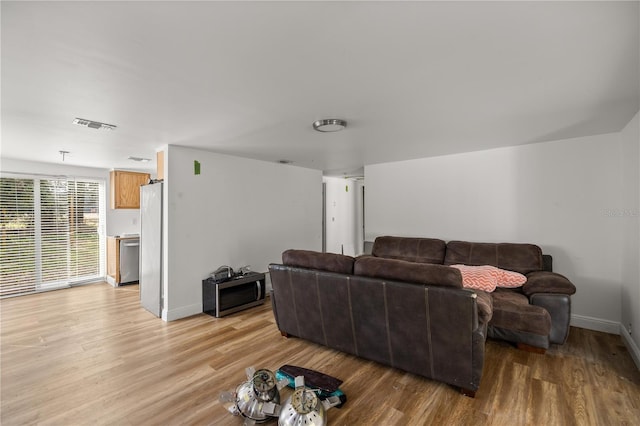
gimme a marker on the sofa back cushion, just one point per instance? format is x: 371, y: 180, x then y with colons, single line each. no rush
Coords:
x: 331, y: 262
x: 522, y: 258
x: 421, y: 250
x: 405, y: 271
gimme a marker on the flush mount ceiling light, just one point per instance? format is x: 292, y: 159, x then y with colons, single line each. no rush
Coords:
x: 93, y: 124
x: 140, y: 159
x: 329, y: 125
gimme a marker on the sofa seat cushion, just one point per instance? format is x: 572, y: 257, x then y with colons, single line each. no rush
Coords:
x: 420, y: 250
x: 522, y: 258
x: 316, y: 260
x: 512, y: 311
x: 410, y: 272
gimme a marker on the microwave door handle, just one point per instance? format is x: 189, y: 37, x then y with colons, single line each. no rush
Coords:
x: 259, y: 289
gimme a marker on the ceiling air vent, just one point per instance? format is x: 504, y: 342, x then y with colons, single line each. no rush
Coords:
x: 93, y: 124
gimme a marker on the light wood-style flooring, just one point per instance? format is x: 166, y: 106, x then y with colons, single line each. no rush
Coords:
x: 91, y: 355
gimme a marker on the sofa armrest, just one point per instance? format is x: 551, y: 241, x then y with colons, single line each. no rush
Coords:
x: 547, y: 282
x: 273, y: 308
x: 331, y: 262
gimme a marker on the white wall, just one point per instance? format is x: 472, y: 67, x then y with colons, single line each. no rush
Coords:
x: 628, y: 213
x: 117, y: 221
x: 558, y: 195
x: 236, y: 212
x: 341, y: 216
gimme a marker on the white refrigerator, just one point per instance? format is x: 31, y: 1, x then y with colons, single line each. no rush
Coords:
x: 151, y: 248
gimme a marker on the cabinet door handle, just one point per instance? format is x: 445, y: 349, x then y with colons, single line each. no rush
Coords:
x: 259, y: 290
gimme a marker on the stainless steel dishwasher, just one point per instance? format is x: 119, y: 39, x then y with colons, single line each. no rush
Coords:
x: 129, y: 260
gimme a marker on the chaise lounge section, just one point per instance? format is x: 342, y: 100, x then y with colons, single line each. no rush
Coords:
x: 532, y: 316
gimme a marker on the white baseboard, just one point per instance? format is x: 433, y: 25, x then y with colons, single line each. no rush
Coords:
x: 595, y: 324
x: 181, y: 312
x: 631, y: 345
x: 611, y: 327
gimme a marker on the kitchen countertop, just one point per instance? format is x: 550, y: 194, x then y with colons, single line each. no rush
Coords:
x: 124, y: 236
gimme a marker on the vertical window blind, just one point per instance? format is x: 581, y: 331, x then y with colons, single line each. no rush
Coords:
x: 51, y: 232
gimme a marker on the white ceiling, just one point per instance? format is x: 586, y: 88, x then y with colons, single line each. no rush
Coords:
x: 412, y: 79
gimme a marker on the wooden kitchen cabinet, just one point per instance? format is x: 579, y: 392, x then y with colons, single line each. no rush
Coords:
x: 125, y: 188
x: 119, y: 256
x: 160, y: 165
x: 113, y: 259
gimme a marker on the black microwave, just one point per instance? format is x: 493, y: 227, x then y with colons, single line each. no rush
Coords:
x: 238, y: 293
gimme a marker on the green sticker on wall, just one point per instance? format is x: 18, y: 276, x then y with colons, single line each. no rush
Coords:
x: 196, y: 167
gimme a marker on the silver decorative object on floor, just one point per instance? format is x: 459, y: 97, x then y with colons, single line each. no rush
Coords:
x: 304, y: 408
x: 257, y: 398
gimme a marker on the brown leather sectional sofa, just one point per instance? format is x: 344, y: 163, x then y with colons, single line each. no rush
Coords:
x: 404, y: 306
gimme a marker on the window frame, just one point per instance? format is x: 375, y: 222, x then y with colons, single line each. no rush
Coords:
x: 60, y: 203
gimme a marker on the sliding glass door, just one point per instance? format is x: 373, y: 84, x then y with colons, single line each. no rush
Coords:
x: 51, y: 232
